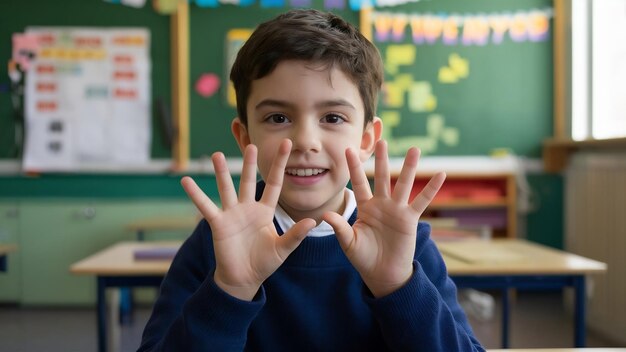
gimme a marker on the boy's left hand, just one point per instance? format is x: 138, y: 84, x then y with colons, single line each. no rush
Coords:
x: 381, y: 243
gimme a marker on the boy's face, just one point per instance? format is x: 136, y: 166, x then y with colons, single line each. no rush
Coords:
x: 321, y: 112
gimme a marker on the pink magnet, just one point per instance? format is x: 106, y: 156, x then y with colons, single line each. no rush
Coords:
x: 207, y: 84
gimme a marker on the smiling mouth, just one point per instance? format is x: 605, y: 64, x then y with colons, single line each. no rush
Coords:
x: 304, y: 172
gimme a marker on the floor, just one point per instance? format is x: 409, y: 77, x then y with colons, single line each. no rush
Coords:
x: 537, y: 320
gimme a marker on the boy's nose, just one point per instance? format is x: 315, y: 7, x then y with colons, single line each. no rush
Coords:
x: 305, y: 138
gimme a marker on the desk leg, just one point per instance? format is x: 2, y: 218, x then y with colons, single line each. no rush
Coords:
x: 107, y: 319
x: 126, y: 301
x: 506, y: 306
x: 114, y: 333
x: 126, y: 304
x: 101, y: 315
x: 579, y: 311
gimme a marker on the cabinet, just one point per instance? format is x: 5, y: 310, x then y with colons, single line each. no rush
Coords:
x: 10, y: 289
x: 56, y: 233
x: 473, y: 200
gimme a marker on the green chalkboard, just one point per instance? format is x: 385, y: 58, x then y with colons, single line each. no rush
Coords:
x: 505, y: 100
x: 211, y: 117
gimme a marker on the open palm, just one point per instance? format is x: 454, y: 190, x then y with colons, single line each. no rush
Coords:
x: 381, y: 243
x: 247, y: 247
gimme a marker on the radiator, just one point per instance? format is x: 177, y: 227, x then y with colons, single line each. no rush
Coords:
x: 595, y: 224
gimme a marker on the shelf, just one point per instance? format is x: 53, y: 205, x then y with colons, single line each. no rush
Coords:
x: 481, y: 199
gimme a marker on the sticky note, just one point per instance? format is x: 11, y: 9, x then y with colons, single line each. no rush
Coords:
x: 434, y: 125
x: 165, y: 7
x: 459, y: 65
x: 421, y: 98
x: 450, y: 136
x: 447, y: 75
x: 394, y: 97
x: 24, y: 49
x: 404, y: 81
x: 399, y: 55
x: 390, y: 118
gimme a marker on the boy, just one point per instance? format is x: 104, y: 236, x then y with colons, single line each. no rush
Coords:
x: 288, y: 264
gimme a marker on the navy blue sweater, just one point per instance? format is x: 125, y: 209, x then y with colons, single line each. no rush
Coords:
x: 316, y: 301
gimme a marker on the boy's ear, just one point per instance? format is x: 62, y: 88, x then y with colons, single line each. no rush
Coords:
x: 372, y: 133
x: 240, y: 132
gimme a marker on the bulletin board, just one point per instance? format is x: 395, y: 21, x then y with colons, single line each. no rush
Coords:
x: 16, y: 16
x: 86, y: 97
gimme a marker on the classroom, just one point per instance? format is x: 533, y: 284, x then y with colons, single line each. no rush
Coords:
x: 107, y: 104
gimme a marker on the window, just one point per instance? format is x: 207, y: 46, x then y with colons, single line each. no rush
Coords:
x: 598, y: 48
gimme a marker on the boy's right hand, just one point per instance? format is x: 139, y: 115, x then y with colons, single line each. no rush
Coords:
x: 247, y: 247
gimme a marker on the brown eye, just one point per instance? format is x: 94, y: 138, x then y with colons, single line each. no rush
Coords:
x: 277, y: 119
x: 332, y: 119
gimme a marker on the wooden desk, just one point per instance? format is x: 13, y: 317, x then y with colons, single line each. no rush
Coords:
x: 141, y: 227
x: 512, y: 256
x: 4, y: 250
x: 514, y: 263
x: 115, y: 266
x: 482, y: 264
x: 118, y: 260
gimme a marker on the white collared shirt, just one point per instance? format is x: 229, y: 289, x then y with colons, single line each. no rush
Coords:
x: 323, y: 229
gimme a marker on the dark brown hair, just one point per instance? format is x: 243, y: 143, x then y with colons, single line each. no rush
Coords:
x: 312, y: 36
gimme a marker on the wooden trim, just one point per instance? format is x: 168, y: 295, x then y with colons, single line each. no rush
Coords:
x: 511, y: 210
x: 180, y: 85
x: 365, y: 22
x: 7, y: 248
x: 556, y: 151
x: 560, y: 65
x: 588, y: 143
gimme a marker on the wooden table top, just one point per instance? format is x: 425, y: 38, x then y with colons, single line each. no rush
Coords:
x: 512, y: 256
x: 7, y: 248
x: 119, y: 259
x: 471, y: 257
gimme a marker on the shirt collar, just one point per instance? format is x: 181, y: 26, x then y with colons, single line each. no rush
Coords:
x: 322, y: 229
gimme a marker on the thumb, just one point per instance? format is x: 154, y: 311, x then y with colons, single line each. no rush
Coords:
x: 291, y: 239
x: 343, y: 230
